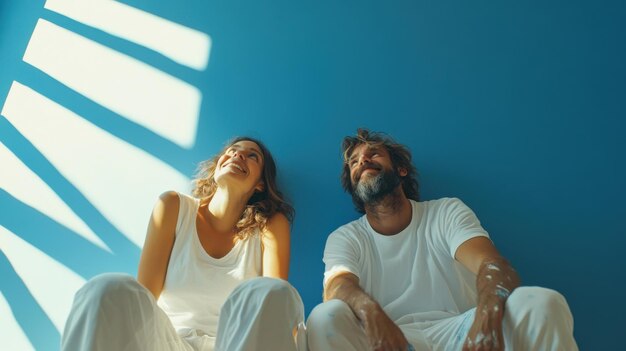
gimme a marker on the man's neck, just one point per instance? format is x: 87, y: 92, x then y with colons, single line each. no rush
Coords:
x: 390, y: 215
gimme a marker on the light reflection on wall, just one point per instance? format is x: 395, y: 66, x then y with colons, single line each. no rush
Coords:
x: 25, y: 185
x: 120, y: 180
x: 12, y: 333
x: 115, y: 176
x: 181, y: 44
x: 124, y: 85
x: 48, y: 280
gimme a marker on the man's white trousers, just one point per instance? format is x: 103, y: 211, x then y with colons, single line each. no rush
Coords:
x: 535, y: 319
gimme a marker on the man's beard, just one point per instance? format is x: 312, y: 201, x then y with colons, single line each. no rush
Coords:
x: 376, y: 188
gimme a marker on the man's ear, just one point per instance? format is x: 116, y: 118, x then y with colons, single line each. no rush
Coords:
x: 402, y: 171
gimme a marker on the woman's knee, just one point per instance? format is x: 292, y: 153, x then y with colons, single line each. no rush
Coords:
x: 269, y: 292
x: 268, y: 287
x: 109, y: 287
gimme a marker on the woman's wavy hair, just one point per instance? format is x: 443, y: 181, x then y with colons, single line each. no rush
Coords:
x: 400, y: 157
x: 262, y: 205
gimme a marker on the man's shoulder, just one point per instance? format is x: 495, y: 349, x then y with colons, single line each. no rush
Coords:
x: 350, y: 229
x: 441, y: 203
x: 350, y: 236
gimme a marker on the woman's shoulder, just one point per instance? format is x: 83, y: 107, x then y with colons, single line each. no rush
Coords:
x: 173, y: 207
x: 167, y: 204
x: 277, y: 226
x: 170, y: 197
x: 173, y: 200
x: 278, y: 218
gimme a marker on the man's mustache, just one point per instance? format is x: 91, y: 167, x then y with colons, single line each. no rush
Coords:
x: 364, y: 167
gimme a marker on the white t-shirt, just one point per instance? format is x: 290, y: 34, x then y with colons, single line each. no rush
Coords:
x: 413, y: 274
x: 197, y: 285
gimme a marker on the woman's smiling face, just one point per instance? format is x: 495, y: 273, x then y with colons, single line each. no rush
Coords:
x: 242, y: 162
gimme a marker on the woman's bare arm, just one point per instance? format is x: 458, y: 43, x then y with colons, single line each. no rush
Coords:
x: 276, y: 247
x: 158, y: 244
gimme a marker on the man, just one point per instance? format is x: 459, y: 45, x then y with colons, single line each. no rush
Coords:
x: 412, y: 275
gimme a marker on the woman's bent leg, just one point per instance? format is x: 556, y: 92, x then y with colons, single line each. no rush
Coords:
x: 260, y: 314
x: 114, y: 312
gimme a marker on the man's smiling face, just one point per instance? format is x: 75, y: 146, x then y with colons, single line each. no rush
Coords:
x: 372, y: 173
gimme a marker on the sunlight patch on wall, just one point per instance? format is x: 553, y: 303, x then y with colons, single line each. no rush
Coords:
x: 119, y: 179
x: 53, y: 287
x: 181, y: 44
x: 12, y: 333
x: 131, y: 88
x: 23, y: 184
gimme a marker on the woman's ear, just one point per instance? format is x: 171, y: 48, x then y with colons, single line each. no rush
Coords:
x: 260, y: 187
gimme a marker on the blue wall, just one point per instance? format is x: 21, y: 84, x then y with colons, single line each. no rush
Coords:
x: 515, y: 107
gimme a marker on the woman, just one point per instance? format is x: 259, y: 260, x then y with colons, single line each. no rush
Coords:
x: 194, y: 288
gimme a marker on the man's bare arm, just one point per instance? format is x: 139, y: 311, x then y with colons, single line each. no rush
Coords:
x: 495, y: 280
x: 382, y: 333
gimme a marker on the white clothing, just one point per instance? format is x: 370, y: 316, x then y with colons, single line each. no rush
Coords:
x: 113, y: 311
x: 261, y: 314
x: 535, y: 319
x: 206, y: 303
x: 413, y: 274
x: 415, y: 278
x: 196, y: 284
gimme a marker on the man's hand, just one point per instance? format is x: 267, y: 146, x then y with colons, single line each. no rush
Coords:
x: 486, y: 331
x: 495, y: 281
x: 382, y: 333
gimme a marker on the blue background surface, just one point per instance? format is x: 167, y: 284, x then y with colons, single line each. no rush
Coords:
x: 517, y: 108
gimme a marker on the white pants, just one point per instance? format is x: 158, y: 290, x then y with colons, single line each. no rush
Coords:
x: 535, y: 319
x: 114, y: 312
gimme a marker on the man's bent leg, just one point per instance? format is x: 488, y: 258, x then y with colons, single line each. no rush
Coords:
x: 538, y: 319
x: 333, y: 326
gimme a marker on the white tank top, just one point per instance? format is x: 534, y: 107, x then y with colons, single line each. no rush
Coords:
x: 196, y: 284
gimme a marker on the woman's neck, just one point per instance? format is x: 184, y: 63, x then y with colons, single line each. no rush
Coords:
x: 224, y: 209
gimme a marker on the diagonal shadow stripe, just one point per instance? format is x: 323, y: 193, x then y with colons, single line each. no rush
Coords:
x: 46, y: 234
x: 28, y: 154
x: 130, y: 87
x: 29, y: 315
x: 129, y: 48
x: 123, y: 128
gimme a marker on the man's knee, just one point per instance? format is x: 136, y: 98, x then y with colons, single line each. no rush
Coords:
x: 328, y: 316
x: 539, y: 318
x: 537, y: 305
x: 536, y: 300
